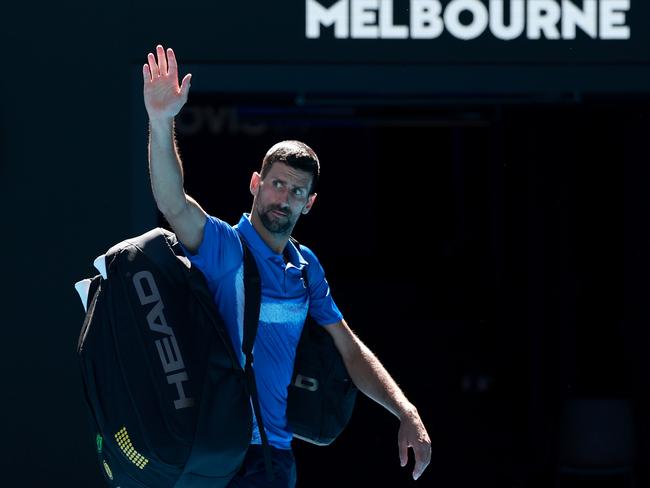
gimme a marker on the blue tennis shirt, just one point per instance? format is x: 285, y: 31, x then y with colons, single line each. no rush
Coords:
x: 284, y: 308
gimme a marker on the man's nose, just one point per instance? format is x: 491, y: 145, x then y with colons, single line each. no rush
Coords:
x: 284, y: 198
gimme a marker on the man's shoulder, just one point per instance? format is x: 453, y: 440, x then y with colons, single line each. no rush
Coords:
x: 220, y: 252
x: 222, y: 229
x: 314, y: 267
x: 305, y: 252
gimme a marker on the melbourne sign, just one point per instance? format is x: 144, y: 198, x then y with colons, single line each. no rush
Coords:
x: 465, y: 20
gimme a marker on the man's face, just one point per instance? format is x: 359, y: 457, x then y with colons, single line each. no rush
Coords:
x: 281, y: 197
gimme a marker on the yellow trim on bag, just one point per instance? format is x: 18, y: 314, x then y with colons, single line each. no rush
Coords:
x: 109, y: 473
x: 124, y: 441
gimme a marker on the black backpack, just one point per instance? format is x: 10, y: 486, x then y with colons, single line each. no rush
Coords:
x: 321, y: 395
x: 169, y: 402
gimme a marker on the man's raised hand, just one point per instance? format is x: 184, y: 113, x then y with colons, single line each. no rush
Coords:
x: 163, y: 98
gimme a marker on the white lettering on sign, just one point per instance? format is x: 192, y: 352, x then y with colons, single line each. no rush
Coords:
x: 468, y: 19
x: 426, y: 20
x: 363, y: 19
x: 503, y: 29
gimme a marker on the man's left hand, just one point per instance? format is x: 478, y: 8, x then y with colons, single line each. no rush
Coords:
x: 413, y: 434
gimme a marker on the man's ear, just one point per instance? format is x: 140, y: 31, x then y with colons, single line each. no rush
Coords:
x: 310, y: 202
x: 255, y: 183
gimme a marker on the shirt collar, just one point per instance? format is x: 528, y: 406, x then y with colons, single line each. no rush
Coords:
x: 256, y: 243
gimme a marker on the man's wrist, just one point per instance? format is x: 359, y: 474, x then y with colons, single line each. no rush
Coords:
x: 407, y: 410
x: 161, y: 123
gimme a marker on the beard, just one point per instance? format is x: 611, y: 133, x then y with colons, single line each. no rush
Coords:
x: 274, y: 223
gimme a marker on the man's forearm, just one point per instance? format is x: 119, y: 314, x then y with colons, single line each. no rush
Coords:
x: 165, y: 168
x: 370, y: 376
x: 372, y: 379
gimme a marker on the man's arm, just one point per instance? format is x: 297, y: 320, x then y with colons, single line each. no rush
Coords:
x: 164, y: 99
x: 371, y: 378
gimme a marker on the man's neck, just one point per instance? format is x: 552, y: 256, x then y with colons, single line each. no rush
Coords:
x: 276, y: 242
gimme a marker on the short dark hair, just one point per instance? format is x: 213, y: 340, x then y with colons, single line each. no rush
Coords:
x: 297, y: 155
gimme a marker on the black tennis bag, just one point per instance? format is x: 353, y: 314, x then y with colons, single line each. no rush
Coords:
x: 321, y: 395
x: 168, y: 399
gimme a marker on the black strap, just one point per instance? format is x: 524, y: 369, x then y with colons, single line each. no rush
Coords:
x: 304, y: 268
x: 252, y: 302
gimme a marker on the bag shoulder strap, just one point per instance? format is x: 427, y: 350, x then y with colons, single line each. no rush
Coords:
x: 252, y: 303
x: 304, y: 269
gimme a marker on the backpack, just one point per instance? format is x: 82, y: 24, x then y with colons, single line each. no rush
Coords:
x: 170, y: 404
x: 321, y: 395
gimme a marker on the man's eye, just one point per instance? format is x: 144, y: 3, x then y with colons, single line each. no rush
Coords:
x: 299, y: 192
x: 277, y: 184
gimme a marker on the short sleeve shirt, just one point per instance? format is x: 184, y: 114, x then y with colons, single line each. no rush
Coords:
x: 285, y: 303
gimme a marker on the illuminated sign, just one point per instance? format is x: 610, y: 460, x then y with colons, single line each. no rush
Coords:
x: 468, y: 19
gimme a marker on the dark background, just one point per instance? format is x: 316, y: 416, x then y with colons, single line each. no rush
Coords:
x: 482, y: 219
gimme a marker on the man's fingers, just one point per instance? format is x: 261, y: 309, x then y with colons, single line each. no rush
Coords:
x: 146, y: 73
x: 403, y: 453
x: 162, y: 60
x: 185, y: 85
x: 419, y: 469
x: 422, y: 460
x: 172, y: 66
x: 152, y: 65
